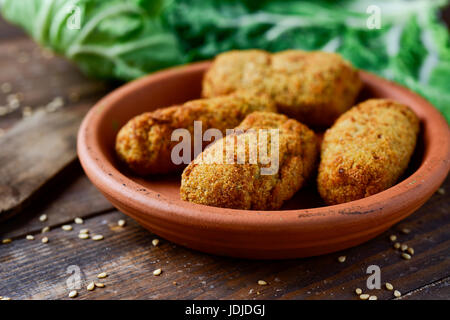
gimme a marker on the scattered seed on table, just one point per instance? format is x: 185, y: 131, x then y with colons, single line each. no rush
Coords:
x: 67, y: 227
x: 397, y: 245
x: 45, y: 229
x: 102, y: 275
x: 157, y: 272
x: 262, y: 282
x: 78, y: 220
x: 90, y: 286
x: 44, y: 240
x: 410, y: 251
x: 97, y: 237
x: 389, y: 286
x: 373, y: 298
x: 43, y: 218
x: 441, y: 191
x: 6, y: 241
x: 406, y: 230
x: 406, y: 256
x: 30, y: 237
x: 84, y: 231
x: 6, y: 87
x: 403, y: 247
x: 341, y: 259
x: 397, y: 293
x: 393, y: 237
x: 99, y: 285
x: 358, y: 291
x: 174, y: 283
x: 364, y: 296
x: 83, y: 236
x: 121, y: 223
x: 73, y: 294
x: 155, y: 242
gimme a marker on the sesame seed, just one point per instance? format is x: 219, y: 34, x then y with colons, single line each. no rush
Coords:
x: 83, y: 236
x: 84, y: 231
x: 342, y: 259
x: 6, y: 87
x: 3, y: 110
x: 43, y: 218
x: 397, y: 293
x: 102, y: 275
x: 410, y: 251
x: 441, y: 191
x: 67, y: 227
x: 389, y: 286
x: 27, y: 111
x: 44, y: 240
x: 393, y: 238
x: 406, y: 230
x: 73, y: 294
x: 373, y: 298
x: 397, y: 245
x: 6, y: 241
x: 403, y: 247
x: 364, y: 296
x: 155, y: 242
x: 90, y: 286
x: 262, y: 282
x: 358, y: 291
x: 157, y: 272
x: 30, y: 237
x: 97, y: 237
x: 406, y: 256
x: 99, y: 285
x: 45, y: 229
x: 78, y: 220
x: 174, y: 283
x: 121, y: 223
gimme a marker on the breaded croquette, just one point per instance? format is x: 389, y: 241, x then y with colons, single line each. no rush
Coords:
x: 312, y: 87
x: 144, y: 143
x: 366, y: 150
x: 242, y: 184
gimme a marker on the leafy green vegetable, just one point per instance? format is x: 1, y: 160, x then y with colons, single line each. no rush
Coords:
x: 126, y: 39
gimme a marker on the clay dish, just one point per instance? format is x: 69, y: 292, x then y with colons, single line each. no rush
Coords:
x: 303, y: 227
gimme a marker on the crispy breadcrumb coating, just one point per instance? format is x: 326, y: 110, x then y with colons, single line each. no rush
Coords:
x: 366, y: 150
x: 144, y: 143
x: 312, y: 87
x: 241, y: 185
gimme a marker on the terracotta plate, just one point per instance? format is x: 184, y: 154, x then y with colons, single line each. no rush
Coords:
x: 303, y: 227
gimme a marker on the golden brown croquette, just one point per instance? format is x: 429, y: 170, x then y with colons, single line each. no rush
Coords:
x: 243, y: 184
x: 144, y: 143
x: 366, y: 150
x: 312, y: 87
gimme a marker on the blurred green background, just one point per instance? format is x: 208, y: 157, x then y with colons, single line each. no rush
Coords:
x: 405, y: 41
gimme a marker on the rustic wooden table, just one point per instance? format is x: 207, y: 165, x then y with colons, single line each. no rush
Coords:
x: 30, y: 269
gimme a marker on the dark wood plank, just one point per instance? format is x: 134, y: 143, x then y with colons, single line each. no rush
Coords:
x: 8, y: 31
x: 35, y: 151
x: 70, y: 196
x: 34, y: 78
x: 439, y: 290
x: 32, y: 270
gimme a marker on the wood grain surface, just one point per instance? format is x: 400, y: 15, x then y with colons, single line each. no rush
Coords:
x: 30, y: 269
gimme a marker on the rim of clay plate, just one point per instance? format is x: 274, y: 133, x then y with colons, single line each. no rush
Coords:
x: 370, y: 212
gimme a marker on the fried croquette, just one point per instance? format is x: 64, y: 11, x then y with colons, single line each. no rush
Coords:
x: 212, y: 179
x: 366, y: 150
x: 144, y: 143
x: 313, y: 87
